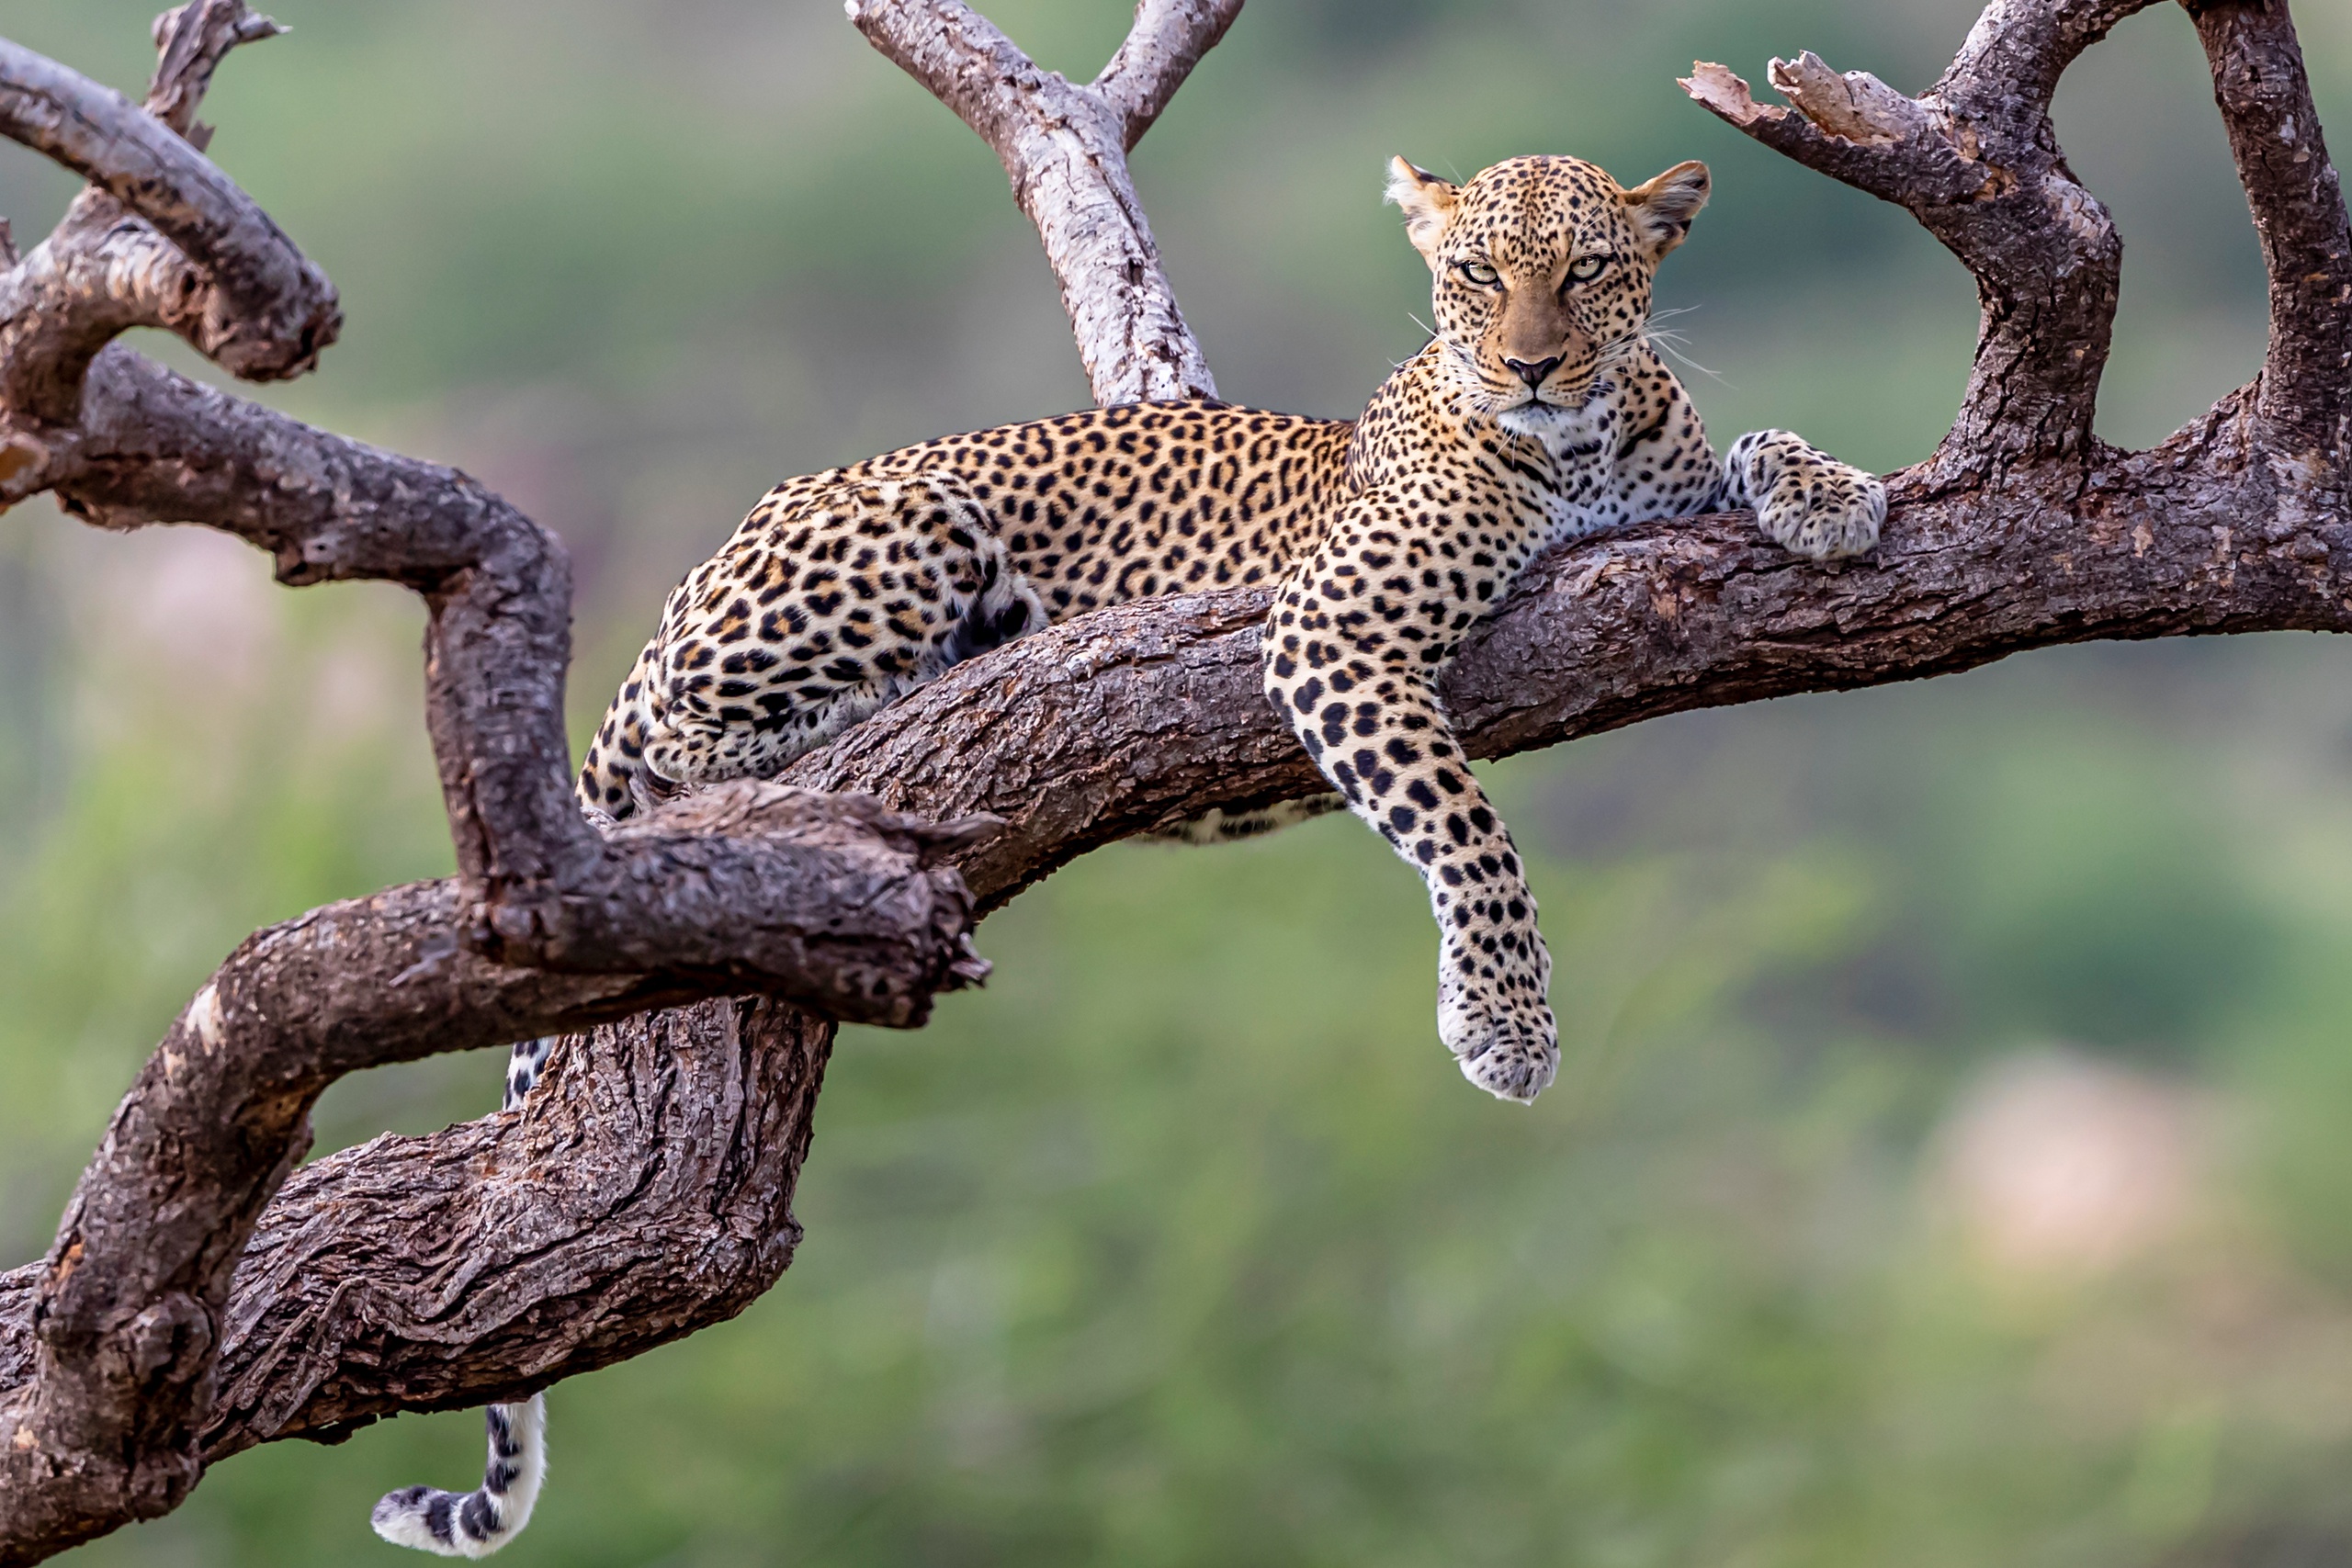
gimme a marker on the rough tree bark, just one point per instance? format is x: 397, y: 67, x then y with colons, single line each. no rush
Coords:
x: 645, y: 1191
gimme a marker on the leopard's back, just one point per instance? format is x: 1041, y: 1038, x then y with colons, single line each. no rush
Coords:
x: 1109, y: 504
x: 845, y: 588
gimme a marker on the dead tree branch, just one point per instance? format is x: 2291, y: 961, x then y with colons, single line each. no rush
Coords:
x: 2297, y: 199
x: 493, y: 1259
x: 1065, y: 148
x: 114, y: 1342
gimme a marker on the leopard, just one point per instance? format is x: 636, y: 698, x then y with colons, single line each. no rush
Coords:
x: 1540, y: 411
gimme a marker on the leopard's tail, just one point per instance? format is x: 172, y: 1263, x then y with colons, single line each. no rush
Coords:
x: 477, y: 1523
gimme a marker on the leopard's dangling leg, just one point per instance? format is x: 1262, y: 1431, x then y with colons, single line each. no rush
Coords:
x: 1350, y: 660
x: 477, y: 1523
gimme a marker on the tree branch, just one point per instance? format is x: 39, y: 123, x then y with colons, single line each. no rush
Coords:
x: 458, y: 1268
x: 1975, y: 159
x: 162, y: 238
x: 113, y: 1343
x: 1159, y: 52
x: 2298, y: 203
x: 1064, y: 147
x: 154, y: 445
x: 829, y: 903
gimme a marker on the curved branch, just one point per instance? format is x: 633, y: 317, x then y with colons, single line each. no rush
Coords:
x: 115, y: 1340
x: 2298, y: 203
x: 155, y: 445
x: 643, y: 1194
x: 1975, y: 159
x: 238, y: 290
x: 2006, y: 71
x: 1064, y: 147
x: 647, y: 1184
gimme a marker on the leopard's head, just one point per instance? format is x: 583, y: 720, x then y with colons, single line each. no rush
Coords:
x: 1542, y: 269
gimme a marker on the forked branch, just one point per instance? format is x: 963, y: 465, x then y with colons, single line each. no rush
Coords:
x: 1065, y: 148
x: 110, y: 1349
x: 677, y: 1135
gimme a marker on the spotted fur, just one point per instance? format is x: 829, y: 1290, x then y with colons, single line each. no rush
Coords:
x: 477, y: 1523
x: 1538, y: 413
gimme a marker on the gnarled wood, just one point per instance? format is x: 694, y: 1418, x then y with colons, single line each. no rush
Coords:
x: 351, y: 1302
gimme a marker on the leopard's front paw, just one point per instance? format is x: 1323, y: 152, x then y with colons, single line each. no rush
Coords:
x: 1805, y: 500
x: 1510, y: 1048
x: 1823, y: 508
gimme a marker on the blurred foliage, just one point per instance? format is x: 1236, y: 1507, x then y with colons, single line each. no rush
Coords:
x: 1184, y: 1243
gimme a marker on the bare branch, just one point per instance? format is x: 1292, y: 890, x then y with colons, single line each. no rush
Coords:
x: 1064, y: 147
x: 1975, y: 161
x: 2298, y: 202
x: 1852, y: 128
x: 647, y: 1184
x: 155, y: 445
x: 126, y: 1315
x: 1167, y: 41
x: 643, y: 1194
x: 237, y: 290
x: 190, y: 43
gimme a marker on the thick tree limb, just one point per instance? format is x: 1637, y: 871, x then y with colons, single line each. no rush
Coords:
x: 493, y: 1259
x: 648, y: 1185
x: 1065, y: 147
x: 825, y: 902
x: 110, y: 1347
x: 1144, y: 714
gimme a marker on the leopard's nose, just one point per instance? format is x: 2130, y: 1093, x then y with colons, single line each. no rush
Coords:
x: 1533, y: 374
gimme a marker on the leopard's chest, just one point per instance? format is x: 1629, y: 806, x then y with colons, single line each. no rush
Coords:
x: 1565, y: 461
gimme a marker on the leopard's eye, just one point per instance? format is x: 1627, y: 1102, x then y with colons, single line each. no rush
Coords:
x: 1481, y: 273
x: 1584, y: 269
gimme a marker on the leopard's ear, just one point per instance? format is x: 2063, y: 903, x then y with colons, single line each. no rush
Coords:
x: 1428, y: 201
x: 1663, y: 207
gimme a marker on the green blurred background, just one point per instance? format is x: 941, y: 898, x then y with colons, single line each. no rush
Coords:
x: 1950, y: 1162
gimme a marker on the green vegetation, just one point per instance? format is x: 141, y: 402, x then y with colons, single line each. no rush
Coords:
x: 1949, y: 1166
